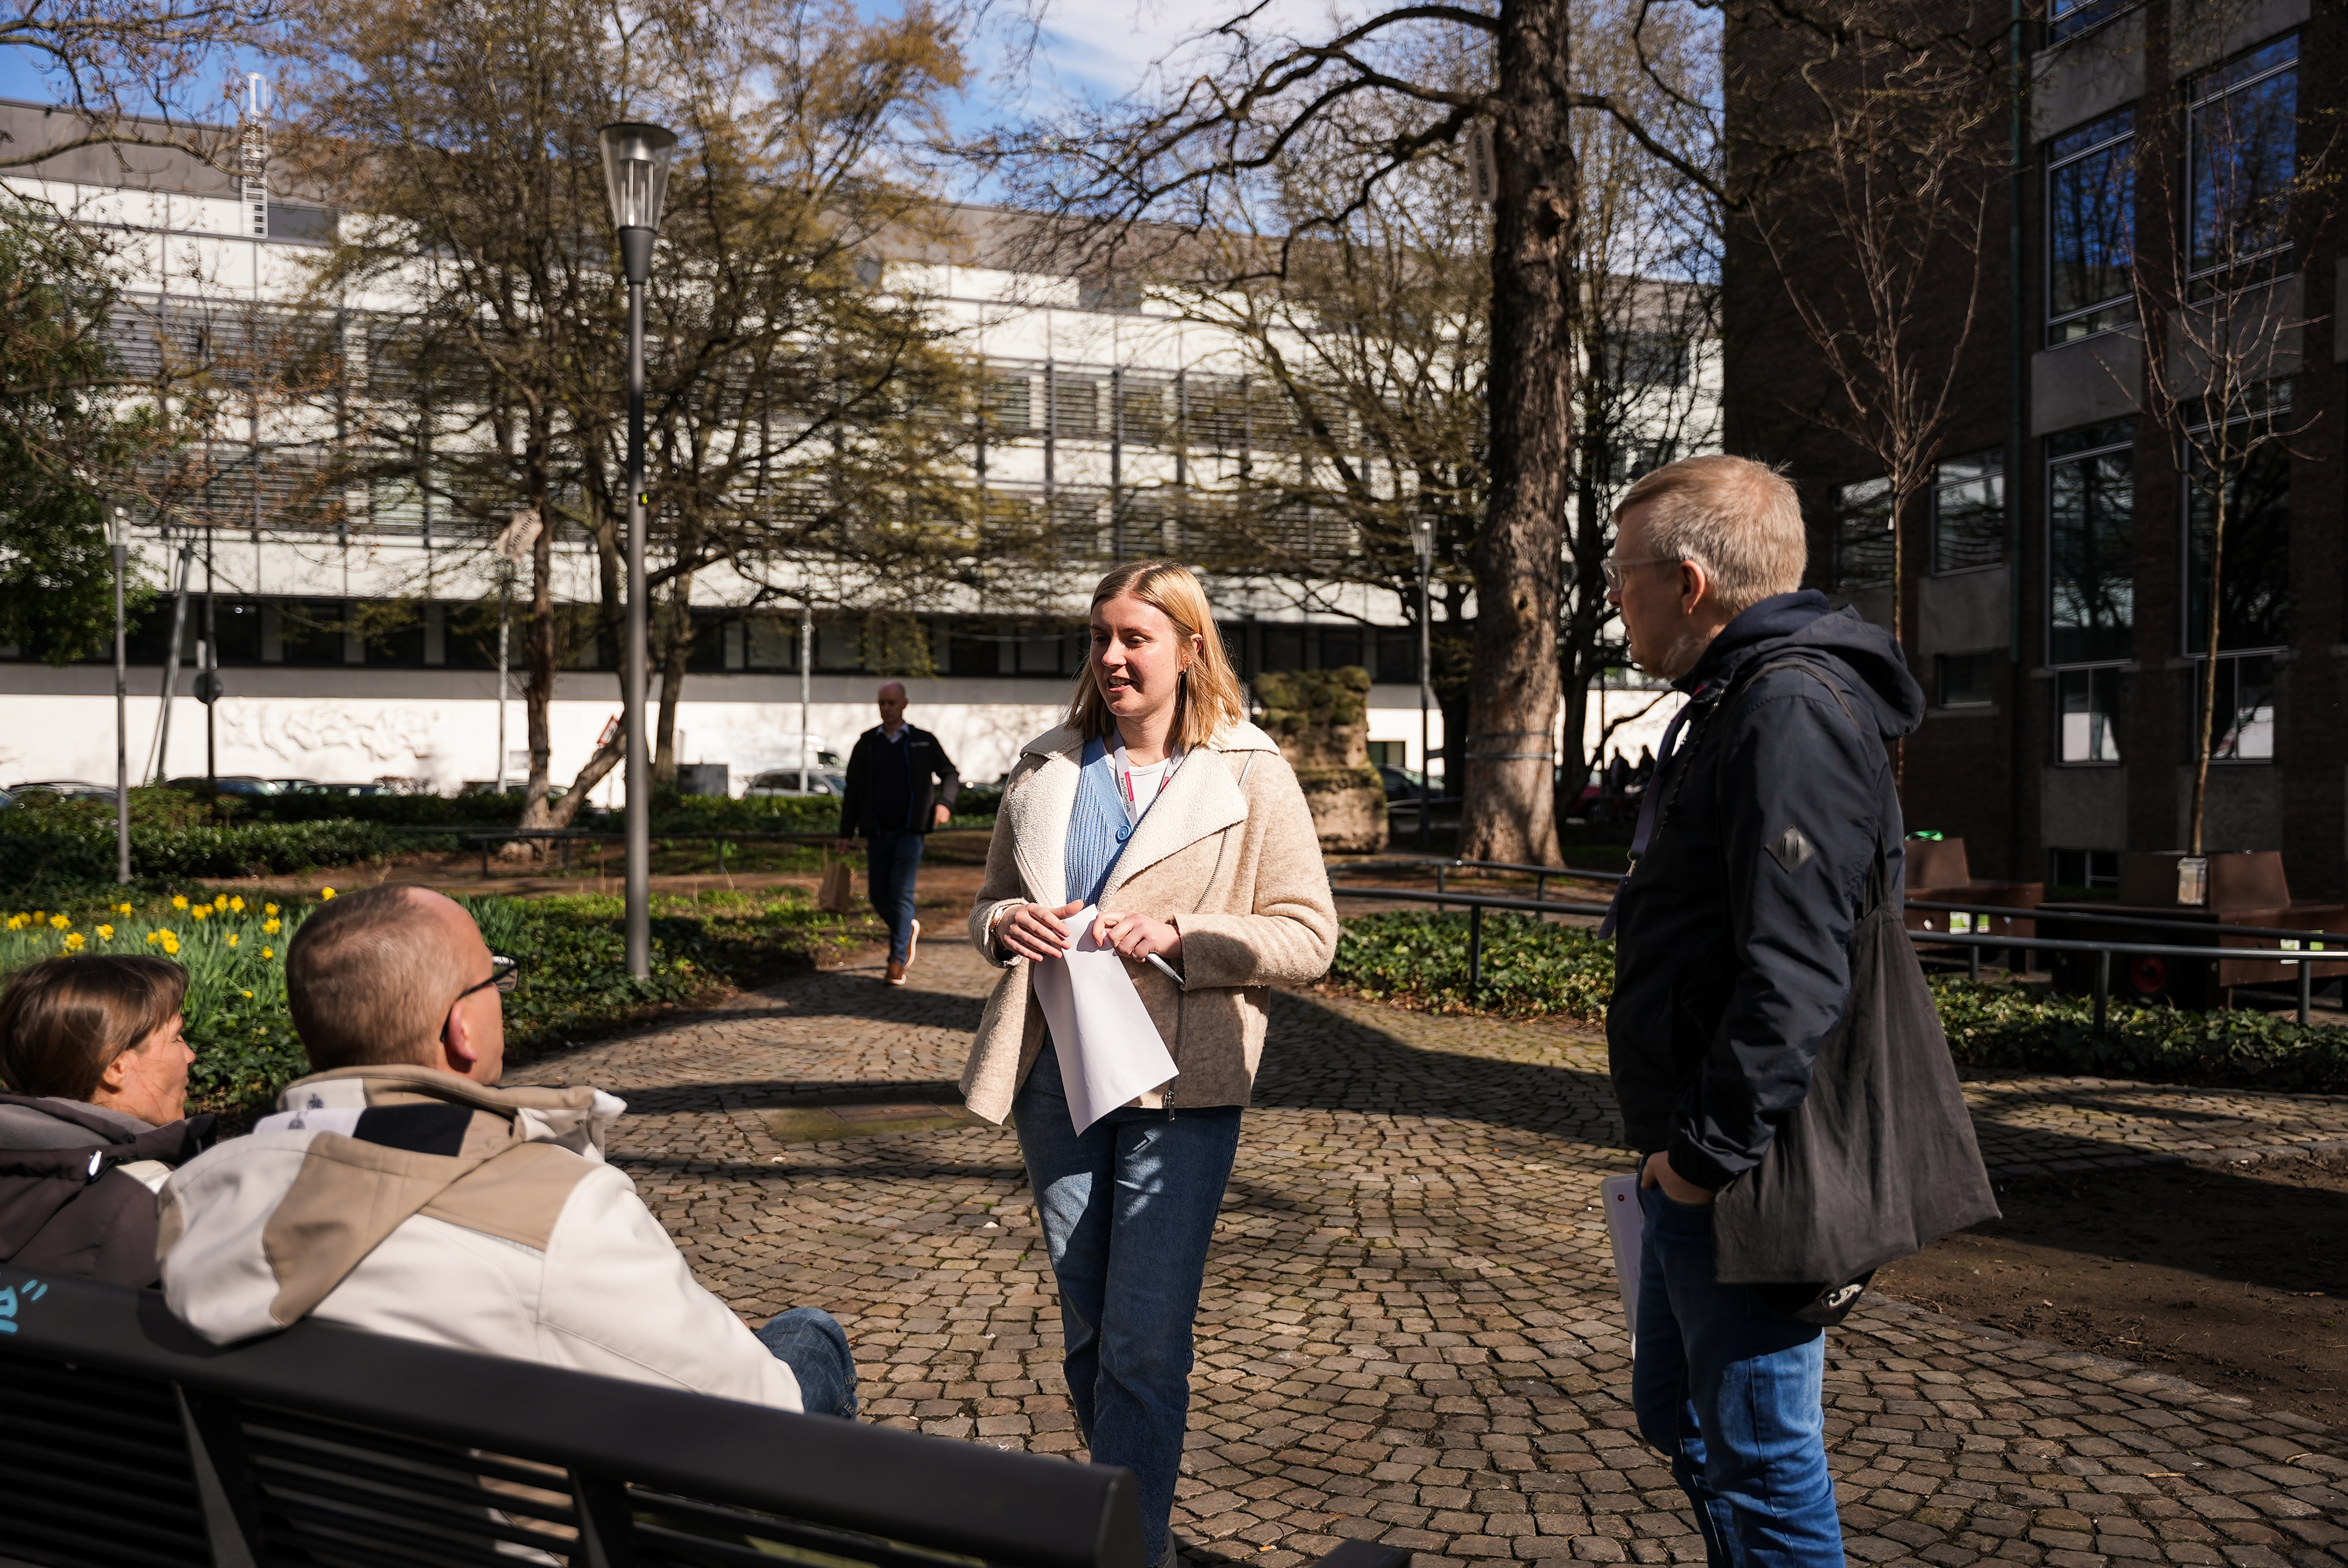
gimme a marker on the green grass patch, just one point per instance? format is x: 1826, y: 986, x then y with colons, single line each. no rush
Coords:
x: 576, y: 982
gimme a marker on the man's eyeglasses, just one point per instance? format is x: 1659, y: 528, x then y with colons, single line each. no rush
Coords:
x: 1613, y: 570
x: 504, y: 973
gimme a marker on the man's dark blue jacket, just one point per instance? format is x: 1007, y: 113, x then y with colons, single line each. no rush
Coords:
x: 891, y: 785
x: 1733, y: 932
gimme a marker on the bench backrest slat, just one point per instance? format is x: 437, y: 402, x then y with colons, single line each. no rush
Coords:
x: 138, y: 1444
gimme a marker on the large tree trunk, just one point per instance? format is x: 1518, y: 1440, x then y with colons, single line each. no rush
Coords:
x: 538, y: 640
x: 1509, y: 811
x: 675, y: 646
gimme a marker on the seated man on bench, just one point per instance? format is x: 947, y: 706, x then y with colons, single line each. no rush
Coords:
x: 399, y: 1190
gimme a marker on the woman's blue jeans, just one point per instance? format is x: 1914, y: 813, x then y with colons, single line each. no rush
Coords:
x: 812, y: 1344
x: 1730, y: 1389
x: 1128, y: 1208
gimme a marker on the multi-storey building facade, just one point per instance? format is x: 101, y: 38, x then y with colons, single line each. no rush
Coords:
x: 365, y: 644
x: 2175, y: 164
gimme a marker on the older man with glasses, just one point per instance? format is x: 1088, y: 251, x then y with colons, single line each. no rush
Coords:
x: 400, y: 1189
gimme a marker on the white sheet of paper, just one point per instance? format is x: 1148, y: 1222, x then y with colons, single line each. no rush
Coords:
x: 1109, y: 1049
x: 1626, y: 1221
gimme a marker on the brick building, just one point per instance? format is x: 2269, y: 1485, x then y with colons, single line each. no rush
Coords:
x: 2175, y: 162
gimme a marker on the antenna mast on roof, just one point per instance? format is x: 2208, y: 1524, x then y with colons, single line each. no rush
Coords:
x: 254, y: 144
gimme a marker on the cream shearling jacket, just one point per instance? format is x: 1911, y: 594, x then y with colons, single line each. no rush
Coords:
x: 1227, y: 855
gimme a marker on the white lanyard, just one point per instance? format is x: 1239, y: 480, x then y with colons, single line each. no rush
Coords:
x: 1125, y: 778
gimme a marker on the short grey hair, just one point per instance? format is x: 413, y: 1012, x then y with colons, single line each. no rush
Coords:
x: 1741, y: 519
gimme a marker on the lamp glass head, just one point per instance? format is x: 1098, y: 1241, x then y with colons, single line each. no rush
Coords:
x: 636, y: 167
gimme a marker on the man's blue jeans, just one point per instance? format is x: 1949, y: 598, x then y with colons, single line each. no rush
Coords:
x: 1128, y: 1208
x: 810, y: 1342
x: 890, y: 861
x: 1730, y: 1389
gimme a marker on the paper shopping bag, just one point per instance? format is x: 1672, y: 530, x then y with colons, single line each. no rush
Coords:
x: 838, y: 888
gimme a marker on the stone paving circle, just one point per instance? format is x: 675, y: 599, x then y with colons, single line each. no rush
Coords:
x: 1410, y: 1332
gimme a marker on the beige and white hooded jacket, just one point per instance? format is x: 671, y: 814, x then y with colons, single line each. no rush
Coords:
x: 414, y: 1202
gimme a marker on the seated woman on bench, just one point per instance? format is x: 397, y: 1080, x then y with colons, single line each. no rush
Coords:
x: 91, y: 1048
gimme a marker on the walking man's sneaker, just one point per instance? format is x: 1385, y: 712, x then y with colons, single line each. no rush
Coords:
x: 913, y: 944
x: 896, y: 973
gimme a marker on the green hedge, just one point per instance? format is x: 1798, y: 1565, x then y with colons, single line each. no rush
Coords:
x: 1531, y: 968
x: 2021, y: 1028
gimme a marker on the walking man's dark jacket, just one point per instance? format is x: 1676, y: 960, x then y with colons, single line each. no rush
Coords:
x: 1734, y: 930
x: 893, y: 786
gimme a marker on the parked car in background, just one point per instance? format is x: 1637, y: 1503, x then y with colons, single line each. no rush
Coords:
x: 65, y: 789
x: 786, y: 782
x: 226, y: 784
x: 297, y: 786
x: 1404, y: 783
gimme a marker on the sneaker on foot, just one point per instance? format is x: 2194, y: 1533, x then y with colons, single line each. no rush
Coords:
x: 912, y: 944
x: 896, y: 973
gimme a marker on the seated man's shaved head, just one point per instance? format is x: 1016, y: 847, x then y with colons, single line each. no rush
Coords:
x: 371, y: 977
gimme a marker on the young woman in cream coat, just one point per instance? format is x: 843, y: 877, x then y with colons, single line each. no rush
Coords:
x: 1158, y: 803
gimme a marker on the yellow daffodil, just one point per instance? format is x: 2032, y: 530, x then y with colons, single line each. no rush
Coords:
x: 178, y: 900
x: 269, y: 908
x: 325, y: 893
x: 74, y: 942
x: 248, y: 993
x: 270, y: 928
x: 106, y: 933
x: 202, y: 911
x: 171, y: 946
x: 16, y: 922
x: 60, y: 922
x: 268, y: 952
x: 40, y: 916
x: 232, y: 939
x: 222, y: 902
x: 237, y: 904
x: 124, y: 909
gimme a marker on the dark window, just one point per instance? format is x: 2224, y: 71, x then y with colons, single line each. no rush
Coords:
x: 1011, y: 402
x: 1283, y: 647
x: 2083, y: 867
x: 2091, y: 543
x: 1965, y: 679
x: 2245, y: 729
x: 1643, y: 358
x: 973, y: 653
x: 2069, y: 18
x: 1339, y: 646
x: 2091, y: 229
x: 308, y: 225
x: 1398, y: 657
x: 2254, y: 569
x: 2242, y: 145
x: 2086, y: 714
x: 1863, y: 535
x: 1969, y: 512
x: 1076, y: 402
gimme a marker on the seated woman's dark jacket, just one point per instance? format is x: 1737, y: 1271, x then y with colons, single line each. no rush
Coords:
x: 66, y: 1206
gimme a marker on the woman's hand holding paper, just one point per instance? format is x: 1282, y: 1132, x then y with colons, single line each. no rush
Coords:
x: 1137, y: 937
x: 1036, y: 933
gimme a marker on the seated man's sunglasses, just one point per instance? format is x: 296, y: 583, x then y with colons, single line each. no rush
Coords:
x: 504, y: 973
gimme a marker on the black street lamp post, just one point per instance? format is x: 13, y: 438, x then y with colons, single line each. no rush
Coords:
x: 635, y: 166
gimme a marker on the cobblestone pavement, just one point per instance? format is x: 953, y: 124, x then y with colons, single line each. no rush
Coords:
x: 1410, y: 1330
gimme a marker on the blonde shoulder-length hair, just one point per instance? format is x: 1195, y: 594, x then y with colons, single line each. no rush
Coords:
x: 1210, y: 700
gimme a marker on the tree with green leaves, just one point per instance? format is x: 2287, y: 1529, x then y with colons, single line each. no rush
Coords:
x: 68, y: 447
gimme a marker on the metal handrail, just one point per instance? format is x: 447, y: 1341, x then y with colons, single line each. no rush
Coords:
x: 2039, y: 912
x: 1475, y: 904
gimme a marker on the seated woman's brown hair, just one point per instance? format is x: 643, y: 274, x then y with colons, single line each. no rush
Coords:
x: 91, y: 1052
x: 63, y: 1021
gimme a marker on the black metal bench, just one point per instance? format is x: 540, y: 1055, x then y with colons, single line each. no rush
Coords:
x: 126, y: 1439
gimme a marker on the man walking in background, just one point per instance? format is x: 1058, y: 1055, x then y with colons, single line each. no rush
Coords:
x: 900, y: 785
